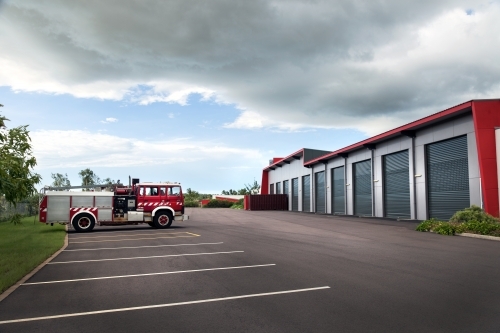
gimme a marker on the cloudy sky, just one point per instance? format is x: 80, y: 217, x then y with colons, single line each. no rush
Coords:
x: 205, y: 92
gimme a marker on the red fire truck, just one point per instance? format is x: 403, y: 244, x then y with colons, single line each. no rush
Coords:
x: 157, y: 204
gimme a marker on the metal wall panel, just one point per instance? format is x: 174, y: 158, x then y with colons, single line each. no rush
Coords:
x: 319, y: 190
x: 338, y: 193
x: 86, y: 201
x: 362, y: 188
x: 295, y: 194
x: 58, y: 209
x: 396, y: 182
x: 104, y: 201
x: 447, y: 177
x: 104, y: 214
x: 306, y: 193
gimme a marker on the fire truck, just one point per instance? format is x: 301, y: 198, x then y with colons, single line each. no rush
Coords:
x: 157, y: 204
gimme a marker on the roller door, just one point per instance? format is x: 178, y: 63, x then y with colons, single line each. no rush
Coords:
x: 295, y: 194
x: 271, y: 189
x: 286, y: 190
x: 338, y: 194
x: 396, y: 172
x: 306, y: 193
x: 278, y: 188
x: 319, y: 189
x: 447, y: 177
x: 362, y: 188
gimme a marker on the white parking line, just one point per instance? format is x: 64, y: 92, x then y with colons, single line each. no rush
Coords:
x: 138, y: 247
x: 77, y: 314
x: 148, y: 274
x: 148, y: 257
x: 141, y: 234
x: 132, y: 239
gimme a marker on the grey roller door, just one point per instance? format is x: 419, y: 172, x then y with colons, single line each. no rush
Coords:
x: 338, y: 195
x: 295, y: 194
x: 278, y: 188
x: 447, y: 177
x: 362, y: 188
x: 396, y: 169
x: 286, y: 190
x: 271, y: 189
x: 319, y: 189
x: 306, y: 193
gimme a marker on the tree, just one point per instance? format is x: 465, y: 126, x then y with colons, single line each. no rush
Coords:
x: 248, y: 189
x: 252, y: 188
x: 60, y: 180
x: 89, y: 177
x: 17, y: 179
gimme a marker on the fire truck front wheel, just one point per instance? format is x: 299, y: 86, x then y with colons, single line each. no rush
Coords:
x: 83, y: 222
x: 163, y: 219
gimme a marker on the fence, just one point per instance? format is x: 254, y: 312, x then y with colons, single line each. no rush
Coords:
x: 266, y: 202
x: 25, y: 208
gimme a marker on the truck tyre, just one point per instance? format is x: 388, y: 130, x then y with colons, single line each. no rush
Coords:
x: 163, y: 219
x: 83, y: 222
x: 151, y: 224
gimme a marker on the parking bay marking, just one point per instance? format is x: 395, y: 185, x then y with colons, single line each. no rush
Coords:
x: 138, y: 247
x: 148, y: 274
x: 131, y: 239
x: 130, y: 234
x: 148, y: 257
x: 77, y: 314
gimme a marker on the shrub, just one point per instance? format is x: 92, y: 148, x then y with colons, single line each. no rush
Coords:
x: 444, y: 228
x: 482, y: 228
x: 214, y: 203
x: 191, y: 204
x: 472, y: 214
x: 473, y: 220
x: 238, y: 205
x: 427, y: 225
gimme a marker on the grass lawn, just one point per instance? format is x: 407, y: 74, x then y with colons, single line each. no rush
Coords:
x: 23, y: 247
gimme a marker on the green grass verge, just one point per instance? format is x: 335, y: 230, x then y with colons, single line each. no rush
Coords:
x: 24, y: 247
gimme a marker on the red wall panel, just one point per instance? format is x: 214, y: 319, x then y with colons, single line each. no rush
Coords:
x: 486, y: 117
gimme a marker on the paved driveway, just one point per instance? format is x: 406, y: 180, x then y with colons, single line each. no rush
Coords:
x: 237, y: 271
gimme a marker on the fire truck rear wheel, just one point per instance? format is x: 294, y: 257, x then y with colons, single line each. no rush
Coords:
x: 84, y: 222
x: 163, y: 219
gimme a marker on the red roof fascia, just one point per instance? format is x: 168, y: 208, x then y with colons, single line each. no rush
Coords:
x: 300, y: 151
x: 395, y: 131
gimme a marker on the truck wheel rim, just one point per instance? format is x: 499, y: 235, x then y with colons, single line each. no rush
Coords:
x: 163, y: 220
x: 84, y: 222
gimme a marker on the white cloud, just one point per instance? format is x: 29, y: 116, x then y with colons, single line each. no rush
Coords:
x: 285, y: 64
x: 109, y: 120
x: 66, y: 149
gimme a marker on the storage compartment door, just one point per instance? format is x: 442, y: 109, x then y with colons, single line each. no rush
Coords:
x: 58, y: 209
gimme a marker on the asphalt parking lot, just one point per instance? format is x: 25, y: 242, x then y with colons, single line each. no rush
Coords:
x: 237, y: 271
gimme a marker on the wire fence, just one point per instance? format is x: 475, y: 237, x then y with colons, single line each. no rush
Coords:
x: 24, y: 208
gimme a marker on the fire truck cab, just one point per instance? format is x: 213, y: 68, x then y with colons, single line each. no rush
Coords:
x: 157, y: 204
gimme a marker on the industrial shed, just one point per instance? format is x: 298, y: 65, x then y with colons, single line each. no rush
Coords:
x: 431, y: 167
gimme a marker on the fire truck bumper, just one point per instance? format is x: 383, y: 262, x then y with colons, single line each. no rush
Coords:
x: 182, y: 217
